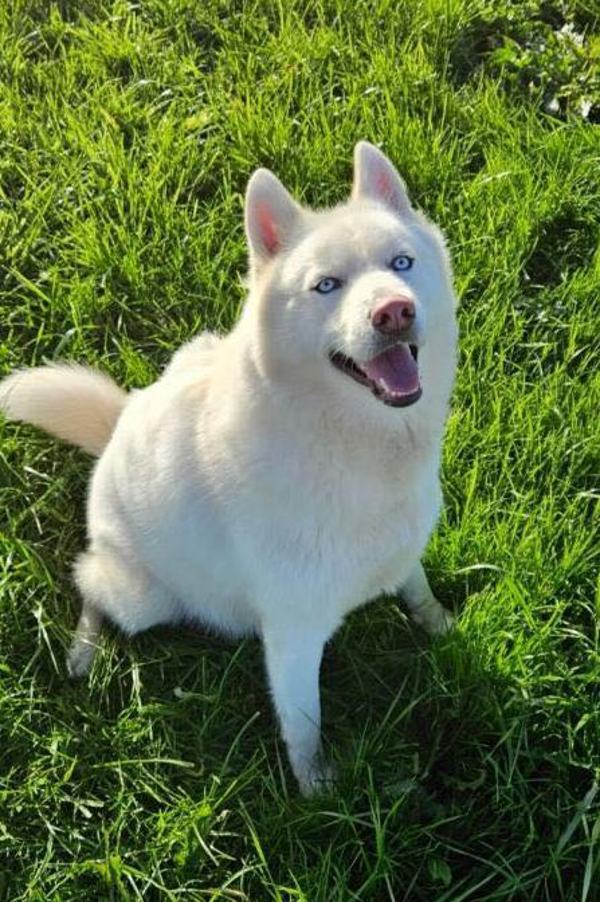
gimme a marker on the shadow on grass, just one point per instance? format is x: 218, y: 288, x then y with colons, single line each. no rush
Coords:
x: 445, y: 771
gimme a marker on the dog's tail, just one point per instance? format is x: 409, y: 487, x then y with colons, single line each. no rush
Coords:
x: 72, y: 402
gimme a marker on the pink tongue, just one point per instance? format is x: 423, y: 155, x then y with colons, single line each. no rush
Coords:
x: 395, y: 371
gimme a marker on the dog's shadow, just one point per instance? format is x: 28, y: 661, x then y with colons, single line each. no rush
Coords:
x: 398, y: 708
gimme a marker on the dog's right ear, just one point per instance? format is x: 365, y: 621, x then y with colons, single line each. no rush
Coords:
x: 271, y: 213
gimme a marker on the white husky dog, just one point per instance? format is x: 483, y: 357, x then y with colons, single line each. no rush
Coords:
x: 278, y: 477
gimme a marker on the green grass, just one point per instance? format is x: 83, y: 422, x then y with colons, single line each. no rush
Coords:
x: 469, y: 768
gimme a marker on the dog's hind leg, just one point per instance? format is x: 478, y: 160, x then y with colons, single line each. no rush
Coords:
x: 424, y: 607
x: 85, y: 642
x: 115, y: 586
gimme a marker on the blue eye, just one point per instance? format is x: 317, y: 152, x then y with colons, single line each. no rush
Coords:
x: 402, y: 262
x: 325, y: 286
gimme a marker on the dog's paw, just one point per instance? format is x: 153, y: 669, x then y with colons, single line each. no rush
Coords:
x: 317, y: 779
x: 80, y: 659
x: 434, y: 619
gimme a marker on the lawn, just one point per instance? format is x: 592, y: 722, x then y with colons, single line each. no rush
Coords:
x: 469, y: 768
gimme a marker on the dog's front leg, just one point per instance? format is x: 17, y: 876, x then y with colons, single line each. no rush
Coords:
x: 424, y: 607
x: 293, y: 656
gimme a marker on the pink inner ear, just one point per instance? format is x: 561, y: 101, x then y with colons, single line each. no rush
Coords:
x: 383, y: 184
x: 266, y: 226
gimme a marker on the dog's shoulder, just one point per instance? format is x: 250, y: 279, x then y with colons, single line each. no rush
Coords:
x: 195, y: 354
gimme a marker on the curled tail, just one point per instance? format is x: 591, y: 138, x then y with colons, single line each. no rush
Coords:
x: 72, y: 402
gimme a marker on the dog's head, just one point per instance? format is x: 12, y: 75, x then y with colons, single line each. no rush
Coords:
x: 357, y: 300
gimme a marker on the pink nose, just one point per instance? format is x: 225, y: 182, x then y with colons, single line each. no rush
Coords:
x: 395, y: 316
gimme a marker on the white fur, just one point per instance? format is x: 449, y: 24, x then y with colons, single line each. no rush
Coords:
x: 255, y: 488
x: 70, y: 401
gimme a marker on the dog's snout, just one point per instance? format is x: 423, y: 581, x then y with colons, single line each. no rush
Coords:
x: 394, y: 317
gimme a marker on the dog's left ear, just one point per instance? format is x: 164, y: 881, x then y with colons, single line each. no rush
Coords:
x: 375, y: 178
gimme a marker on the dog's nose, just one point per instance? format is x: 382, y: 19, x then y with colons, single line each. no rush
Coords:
x: 394, y: 317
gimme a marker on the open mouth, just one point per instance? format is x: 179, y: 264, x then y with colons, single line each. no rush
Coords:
x: 393, y: 376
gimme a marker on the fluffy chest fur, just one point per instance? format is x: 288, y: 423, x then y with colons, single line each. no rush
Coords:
x: 340, y: 514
